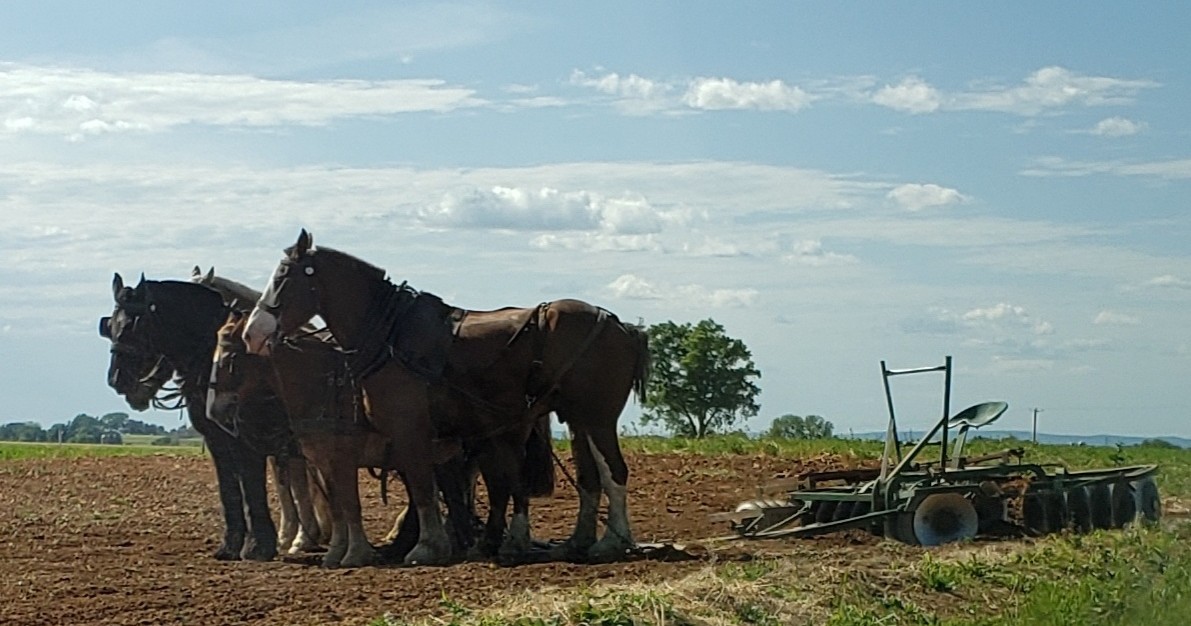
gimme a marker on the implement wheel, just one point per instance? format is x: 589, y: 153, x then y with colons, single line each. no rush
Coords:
x: 943, y: 518
x: 1149, y: 503
x: 1079, y: 509
x: 1124, y: 506
x: 1100, y: 504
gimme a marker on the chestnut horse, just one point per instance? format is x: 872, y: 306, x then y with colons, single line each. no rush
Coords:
x: 165, y: 329
x: 326, y: 413
x: 436, y: 377
x: 305, y: 515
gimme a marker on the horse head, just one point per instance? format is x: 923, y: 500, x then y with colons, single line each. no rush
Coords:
x: 235, y: 374
x: 154, y: 328
x: 308, y: 374
x: 289, y: 300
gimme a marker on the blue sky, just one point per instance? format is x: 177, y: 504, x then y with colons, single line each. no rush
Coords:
x: 835, y: 183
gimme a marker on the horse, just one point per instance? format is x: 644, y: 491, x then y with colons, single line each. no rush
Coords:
x: 435, y: 376
x: 325, y: 408
x: 166, y: 329
x: 305, y: 522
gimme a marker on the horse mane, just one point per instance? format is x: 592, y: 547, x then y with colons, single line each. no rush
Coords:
x: 193, y: 313
x: 231, y: 291
x: 343, y: 257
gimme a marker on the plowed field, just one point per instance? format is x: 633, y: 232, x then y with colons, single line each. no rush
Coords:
x: 128, y: 541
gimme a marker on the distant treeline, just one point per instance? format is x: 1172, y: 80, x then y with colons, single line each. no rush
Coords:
x: 84, y: 428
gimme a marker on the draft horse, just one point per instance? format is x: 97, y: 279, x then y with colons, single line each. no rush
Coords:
x: 437, y: 377
x: 305, y: 522
x: 325, y: 412
x: 166, y: 329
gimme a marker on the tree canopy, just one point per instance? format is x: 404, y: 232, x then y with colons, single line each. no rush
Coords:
x: 702, y: 380
x: 791, y: 426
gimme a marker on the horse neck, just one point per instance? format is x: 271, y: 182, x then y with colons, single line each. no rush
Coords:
x: 345, y: 310
x: 232, y: 291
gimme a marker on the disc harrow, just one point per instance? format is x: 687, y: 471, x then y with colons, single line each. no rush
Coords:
x: 951, y: 498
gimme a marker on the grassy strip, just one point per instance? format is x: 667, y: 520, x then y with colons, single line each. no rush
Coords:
x: 1140, y: 576
x: 12, y: 450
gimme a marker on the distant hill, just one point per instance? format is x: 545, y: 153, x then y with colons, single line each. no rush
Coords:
x: 1024, y: 435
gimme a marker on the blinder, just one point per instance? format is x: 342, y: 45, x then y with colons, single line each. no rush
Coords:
x: 105, y: 327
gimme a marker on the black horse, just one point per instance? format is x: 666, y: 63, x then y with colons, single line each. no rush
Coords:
x: 167, y: 329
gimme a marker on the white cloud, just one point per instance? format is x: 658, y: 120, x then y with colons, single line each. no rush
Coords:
x: 1051, y: 88
x: 1174, y: 169
x: 1117, y: 127
x: 1113, y: 318
x: 725, y: 93
x: 632, y: 287
x: 915, y: 197
x: 1168, y: 281
x: 1005, y: 313
x: 542, y: 209
x: 912, y: 95
x: 79, y: 102
x: 596, y: 242
x: 810, y: 252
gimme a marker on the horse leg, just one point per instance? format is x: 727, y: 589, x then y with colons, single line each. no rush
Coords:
x: 263, y: 546
x: 308, y: 527
x: 337, y: 546
x: 287, y: 529
x: 584, y: 535
x: 359, y: 551
x: 231, y: 499
x: 458, y: 487
x: 614, y: 476
x: 497, y: 485
x: 517, y: 541
x: 434, y: 546
x: 323, y: 519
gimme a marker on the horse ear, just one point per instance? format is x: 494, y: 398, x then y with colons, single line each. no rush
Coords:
x: 305, y: 242
x: 210, y: 277
x: 196, y: 272
x: 142, y: 281
x: 117, y: 285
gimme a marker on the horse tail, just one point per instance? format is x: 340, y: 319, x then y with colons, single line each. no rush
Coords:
x: 644, y: 363
x: 537, y: 472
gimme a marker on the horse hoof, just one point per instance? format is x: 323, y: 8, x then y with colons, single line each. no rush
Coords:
x: 225, y: 553
x: 260, y: 554
x: 426, y: 555
x: 357, y: 560
x: 329, y: 563
x: 607, y: 552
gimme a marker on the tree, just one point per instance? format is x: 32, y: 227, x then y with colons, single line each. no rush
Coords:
x: 702, y: 379
x: 114, y: 421
x: 791, y: 426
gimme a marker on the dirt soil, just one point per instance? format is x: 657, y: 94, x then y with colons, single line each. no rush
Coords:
x: 129, y: 541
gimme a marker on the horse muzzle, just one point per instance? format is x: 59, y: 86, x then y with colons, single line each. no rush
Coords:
x: 261, y: 332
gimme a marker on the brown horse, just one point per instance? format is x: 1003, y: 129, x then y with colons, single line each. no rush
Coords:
x: 436, y: 377
x: 305, y: 515
x: 325, y: 411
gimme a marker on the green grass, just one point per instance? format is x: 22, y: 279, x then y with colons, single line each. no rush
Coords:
x: 12, y: 450
x: 1139, y: 576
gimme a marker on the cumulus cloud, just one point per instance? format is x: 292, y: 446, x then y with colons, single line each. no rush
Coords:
x: 915, y: 197
x: 633, y: 287
x: 1113, y: 318
x: 810, y: 252
x: 1052, y: 88
x: 1117, y: 127
x: 545, y: 208
x: 912, y: 95
x: 725, y: 93
x: 636, y: 94
x: 996, y: 323
x: 77, y: 103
